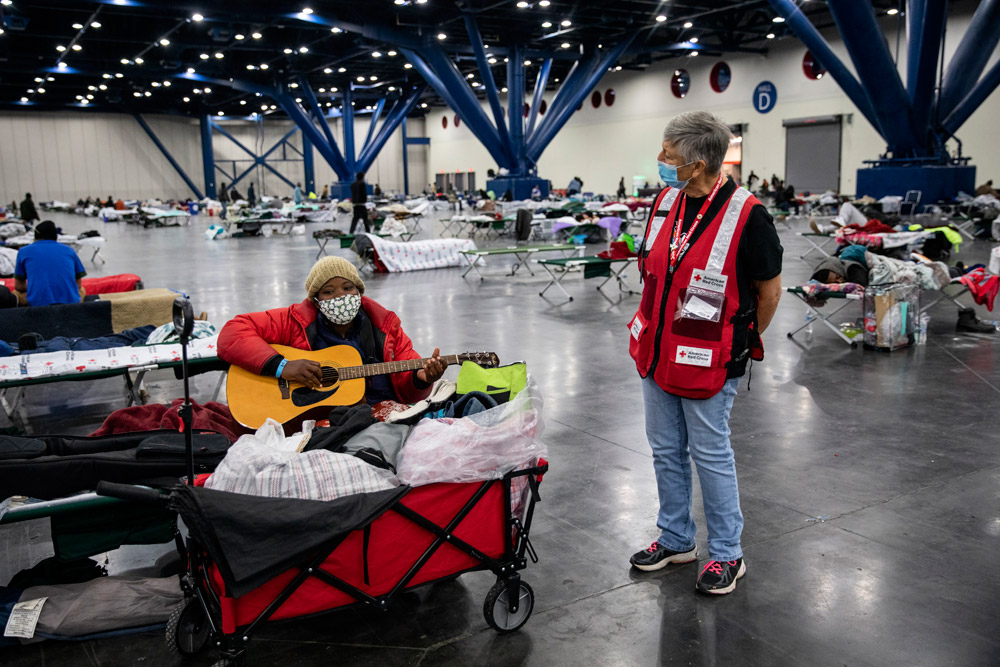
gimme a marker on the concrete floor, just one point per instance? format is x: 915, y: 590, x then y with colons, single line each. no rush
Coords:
x: 868, y: 481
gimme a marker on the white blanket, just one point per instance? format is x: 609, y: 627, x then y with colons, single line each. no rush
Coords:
x: 417, y: 255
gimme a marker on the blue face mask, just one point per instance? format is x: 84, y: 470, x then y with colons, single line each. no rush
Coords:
x: 668, y: 174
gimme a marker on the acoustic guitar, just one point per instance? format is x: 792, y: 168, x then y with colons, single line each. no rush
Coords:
x: 255, y: 398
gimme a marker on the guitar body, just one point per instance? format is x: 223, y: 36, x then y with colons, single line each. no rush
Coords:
x: 255, y: 398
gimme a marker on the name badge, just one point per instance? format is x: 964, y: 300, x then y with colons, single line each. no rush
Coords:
x: 636, y: 327
x: 713, y: 282
x: 693, y: 356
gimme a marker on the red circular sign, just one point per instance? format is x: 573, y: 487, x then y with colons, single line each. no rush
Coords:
x: 680, y: 83
x: 444, y: 122
x: 720, y: 77
x: 609, y: 97
x: 458, y: 121
x: 595, y: 99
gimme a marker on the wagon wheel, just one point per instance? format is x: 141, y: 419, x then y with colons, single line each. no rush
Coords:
x: 497, y: 612
x: 188, y: 629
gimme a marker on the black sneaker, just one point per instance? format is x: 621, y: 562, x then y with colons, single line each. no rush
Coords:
x: 658, y: 556
x: 719, y: 577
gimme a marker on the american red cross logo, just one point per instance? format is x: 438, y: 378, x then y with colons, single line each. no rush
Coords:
x: 697, y: 278
x: 683, y: 354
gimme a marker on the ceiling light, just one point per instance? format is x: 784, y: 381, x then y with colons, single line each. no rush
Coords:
x: 251, y: 67
x: 327, y: 71
x: 77, y: 47
x: 242, y: 102
x: 391, y: 54
x: 264, y: 65
x: 293, y: 85
x: 341, y: 69
x: 88, y: 87
x: 32, y: 90
x: 694, y: 54
x: 197, y: 91
x: 77, y: 26
x: 105, y: 76
x: 376, y: 54
x: 361, y: 78
x: 544, y: 3
x: 187, y: 99
x: 263, y: 107
x: 256, y: 35
x: 618, y: 68
x: 693, y: 40
x: 399, y: 2
x: 566, y: 23
x: 139, y: 61
x: 95, y: 24
x: 492, y: 61
x: 190, y: 70
x: 84, y: 101
x: 156, y: 84
x: 206, y: 90
x: 197, y: 17
x: 63, y: 65
x: 164, y: 42
x: 770, y: 35
x: 504, y: 89
x: 49, y: 78
x: 441, y: 35
x: 321, y: 90
x: 221, y: 113
x: 124, y: 61
x: 373, y: 78
x: 307, y: 11
x: 470, y: 75
x: 547, y: 24
x: 273, y: 107
x: 892, y: 12
x: 220, y: 55
x: 527, y: 63
x: 137, y: 94
x: 203, y: 56
x: 287, y: 51
x: 423, y: 105
x: 522, y: 5
x: 333, y: 90
x: 60, y: 48
x: 778, y: 19
x: 565, y: 45
x: 239, y: 36
x: 407, y: 66
x: 118, y: 75
x: 6, y: 3
x: 1, y: 31
x: 336, y: 31
x: 41, y: 90
x: 23, y: 99
x: 39, y: 79
x: 89, y: 97
x: 103, y: 87
x: 421, y: 2
x: 661, y: 18
x: 688, y: 24
x: 303, y: 49
x: 392, y: 88
x: 148, y: 94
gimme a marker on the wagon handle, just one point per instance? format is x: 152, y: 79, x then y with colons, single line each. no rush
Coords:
x: 131, y: 492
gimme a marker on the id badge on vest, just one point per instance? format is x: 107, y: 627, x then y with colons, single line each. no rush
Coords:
x: 704, y: 297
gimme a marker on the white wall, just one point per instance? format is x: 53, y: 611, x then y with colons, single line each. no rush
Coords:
x: 602, y: 145
x: 73, y: 155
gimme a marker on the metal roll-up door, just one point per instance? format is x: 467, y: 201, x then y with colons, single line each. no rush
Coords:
x: 812, y: 153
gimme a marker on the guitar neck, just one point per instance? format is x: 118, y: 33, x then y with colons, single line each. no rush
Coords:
x: 355, y: 372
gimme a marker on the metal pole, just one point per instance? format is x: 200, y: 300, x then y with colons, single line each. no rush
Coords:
x: 307, y: 165
x: 208, y: 156
x: 406, y: 161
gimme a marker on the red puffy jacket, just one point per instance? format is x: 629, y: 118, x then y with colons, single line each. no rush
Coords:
x: 244, y: 340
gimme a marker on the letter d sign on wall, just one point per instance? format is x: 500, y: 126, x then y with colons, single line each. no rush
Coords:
x: 765, y: 96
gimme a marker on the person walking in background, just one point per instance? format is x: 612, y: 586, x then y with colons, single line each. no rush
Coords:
x: 325, y: 196
x: 359, y: 197
x: 251, y: 196
x: 621, y: 188
x: 28, y: 212
x: 297, y: 194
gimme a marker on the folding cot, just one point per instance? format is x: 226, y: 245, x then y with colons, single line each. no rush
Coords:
x: 592, y: 266
x: 522, y: 254
x: 324, y: 236
x: 816, y: 315
x: 819, y: 247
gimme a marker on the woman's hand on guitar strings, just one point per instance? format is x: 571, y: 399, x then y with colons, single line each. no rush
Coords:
x: 303, y: 371
x: 433, y: 369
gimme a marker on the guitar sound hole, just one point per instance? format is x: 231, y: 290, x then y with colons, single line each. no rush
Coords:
x: 330, y: 376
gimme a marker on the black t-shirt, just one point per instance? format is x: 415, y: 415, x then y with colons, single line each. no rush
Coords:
x: 758, y: 256
x: 359, y: 193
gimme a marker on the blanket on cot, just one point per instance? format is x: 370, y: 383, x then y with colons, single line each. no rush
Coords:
x: 418, y: 255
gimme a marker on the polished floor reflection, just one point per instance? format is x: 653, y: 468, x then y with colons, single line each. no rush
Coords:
x: 868, y: 481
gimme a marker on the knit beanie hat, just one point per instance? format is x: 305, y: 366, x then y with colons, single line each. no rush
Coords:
x: 331, y: 267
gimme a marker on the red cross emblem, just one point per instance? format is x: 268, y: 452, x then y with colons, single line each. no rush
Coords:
x: 697, y: 278
x: 683, y: 354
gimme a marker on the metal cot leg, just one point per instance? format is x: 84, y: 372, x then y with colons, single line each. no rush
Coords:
x: 825, y: 320
x: 556, y: 279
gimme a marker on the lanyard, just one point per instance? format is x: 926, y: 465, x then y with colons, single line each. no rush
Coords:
x: 679, y: 243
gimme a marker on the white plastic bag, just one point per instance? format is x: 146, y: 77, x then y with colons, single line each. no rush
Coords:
x: 486, y: 445
x: 995, y: 257
x: 269, y: 464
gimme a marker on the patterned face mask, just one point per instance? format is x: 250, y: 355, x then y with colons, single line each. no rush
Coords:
x: 341, y: 310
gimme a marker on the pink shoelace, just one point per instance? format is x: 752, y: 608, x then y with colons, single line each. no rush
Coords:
x: 653, y: 547
x: 715, y: 567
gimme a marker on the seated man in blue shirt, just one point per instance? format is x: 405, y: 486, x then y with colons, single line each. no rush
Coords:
x: 48, y: 271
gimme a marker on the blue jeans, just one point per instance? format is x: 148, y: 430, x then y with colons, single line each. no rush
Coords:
x: 680, y: 429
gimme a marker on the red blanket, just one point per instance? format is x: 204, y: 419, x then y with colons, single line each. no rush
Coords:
x: 123, y: 282
x: 210, y: 417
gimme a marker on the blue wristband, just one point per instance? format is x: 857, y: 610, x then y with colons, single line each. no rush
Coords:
x: 281, y: 367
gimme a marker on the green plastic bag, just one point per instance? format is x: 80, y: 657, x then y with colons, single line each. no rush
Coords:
x: 629, y: 241
x: 503, y: 383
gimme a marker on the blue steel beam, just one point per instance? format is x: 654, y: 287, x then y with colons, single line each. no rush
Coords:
x: 347, y: 115
x: 257, y: 160
x: 972, y: 101
x: 207, y: 155
x: 376, y: 114
x: 971, y: 56
x: 809, y: 35
x: 406, y: 161
x: 316, y: 111
x: 925, y: 21
x: 556, y: 118
x: 469, y: 108
x: 486, y: 74
x: 561, y: 103
x: 515, y: 107
x: 873, y: 61
x: 399, y: 111
x: 309, y: 130
x: 170, y: 158
x: 536, y: 100
x: 308, y: 167
x: 488, y: 139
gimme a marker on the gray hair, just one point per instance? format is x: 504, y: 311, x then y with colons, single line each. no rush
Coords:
x: 699, y: 135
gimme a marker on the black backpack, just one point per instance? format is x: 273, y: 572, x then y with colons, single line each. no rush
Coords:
x: 522, y: 227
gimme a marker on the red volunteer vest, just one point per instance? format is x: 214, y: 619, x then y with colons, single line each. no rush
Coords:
x: 689, y: 357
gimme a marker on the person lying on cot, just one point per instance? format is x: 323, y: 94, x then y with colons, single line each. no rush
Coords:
x: 335, y: 312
